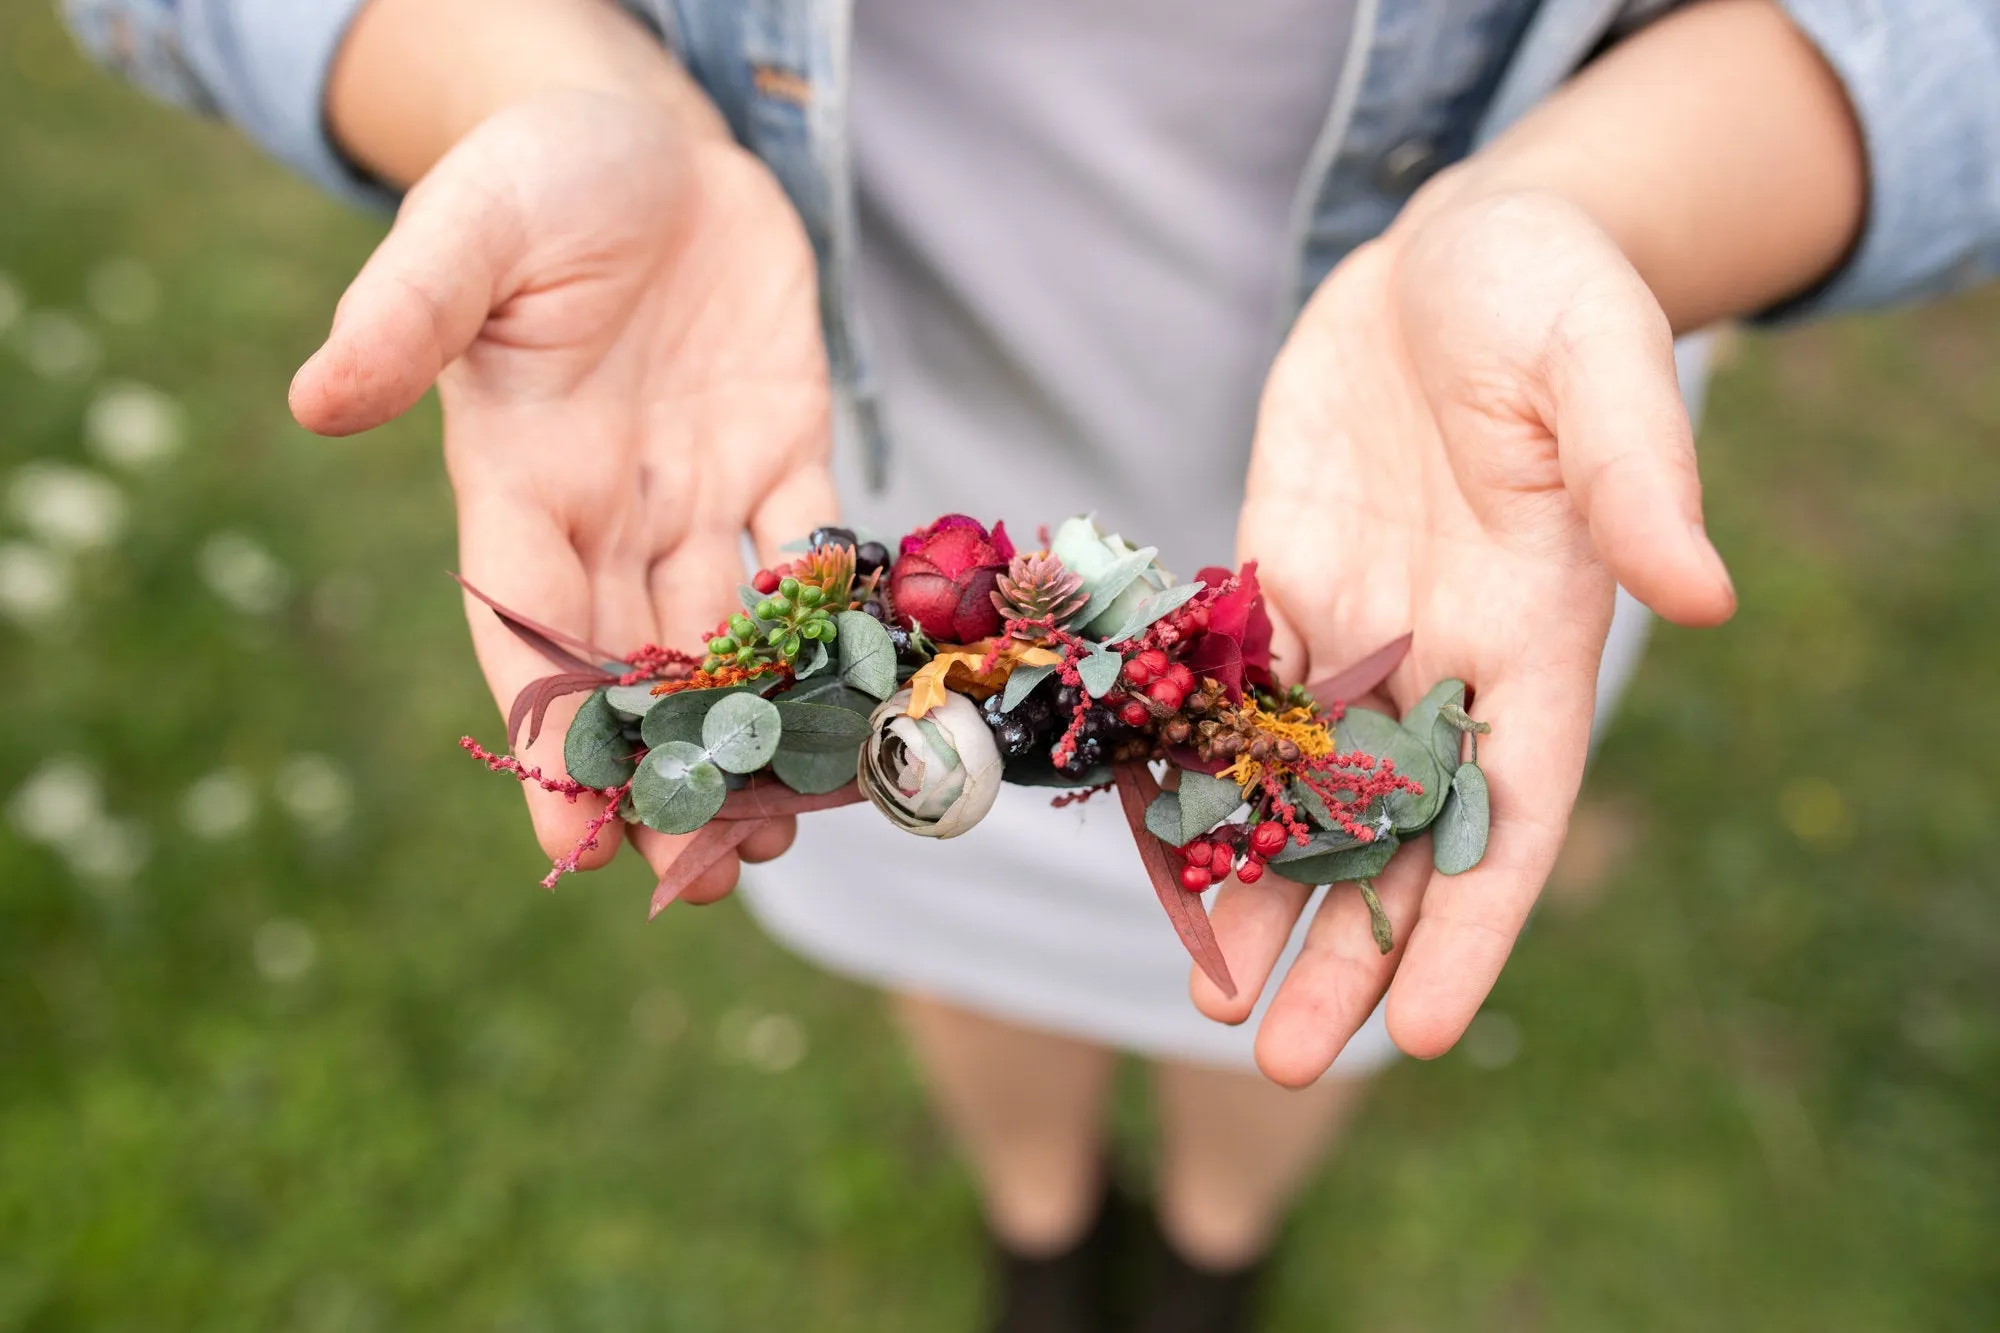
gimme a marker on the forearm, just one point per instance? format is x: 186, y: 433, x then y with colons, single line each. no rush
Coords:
x: 414, y: 76
x: 1715, y: 147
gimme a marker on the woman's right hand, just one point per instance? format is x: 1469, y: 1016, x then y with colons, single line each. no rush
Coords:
x: 621, y: 319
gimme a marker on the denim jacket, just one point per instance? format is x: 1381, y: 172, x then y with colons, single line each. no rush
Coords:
x: 1424, y: 83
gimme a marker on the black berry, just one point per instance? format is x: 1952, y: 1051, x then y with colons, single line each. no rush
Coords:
x: 831, y: 537
x: 869, y: 558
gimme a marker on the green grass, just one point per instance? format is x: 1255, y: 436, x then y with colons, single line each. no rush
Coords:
x: 1758, y: 1070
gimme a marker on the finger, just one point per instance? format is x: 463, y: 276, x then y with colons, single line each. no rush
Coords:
x: 515, y: 553
x: 712, y: 885
x: 1339, y: 975
x: 1533, y: 762
x: 772, y: 840
x: 1289, y: 661
x: 693, y: 587
x: 1252, y: 922
x: 417, y: 303
x: 803, y: 498
x: 1627, y: 454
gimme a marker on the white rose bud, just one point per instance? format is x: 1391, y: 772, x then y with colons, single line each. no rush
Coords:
x: 935, y: 775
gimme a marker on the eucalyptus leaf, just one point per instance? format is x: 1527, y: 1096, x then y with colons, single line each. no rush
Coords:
x: 1423, y: 722
x: 813, y: 772
x: 1205, y: 802
x: 867, y: 654
x: 741, y: 732
x: 1099, y: 671
x: 1162, y: 603
x: 633, y: 701
x: 1362, y: 861
x: 1115, y: 579
x: 678, y: 716
x: 1021, y: 683
x: 1376, y: 734
x: 830, y: 691
x: 595, y: 749
x: 821, y: 729
x: 1458, y: 839
x: 1163, y: 818
x: 677, y: 789
x: 812, y: 662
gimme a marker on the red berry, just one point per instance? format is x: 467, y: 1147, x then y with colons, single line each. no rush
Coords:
x: 1155, y: 660
x: 1179, y: 674
x: 1135, y: 714
x: 1199, y: 852
x: 1137, y: 671
x: 765, y: 582
x: 1195, y: 878
x: 1250, y: 872
x: 1166, y: 694
x: 1267, y: 839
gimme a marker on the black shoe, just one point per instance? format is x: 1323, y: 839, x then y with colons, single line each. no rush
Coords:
x: 1185, y: 1298
x: 1070, y: 1292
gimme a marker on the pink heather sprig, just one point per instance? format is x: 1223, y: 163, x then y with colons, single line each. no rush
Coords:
x: 567, y: 788
x: 652, y: 662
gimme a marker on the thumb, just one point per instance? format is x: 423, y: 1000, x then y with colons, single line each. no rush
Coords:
x: 1627, y: 454
x: 417, y: 303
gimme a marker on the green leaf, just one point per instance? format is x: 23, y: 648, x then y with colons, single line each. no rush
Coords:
x: 1423, y: 722
x: 1362, y: 861
x: 821, y: 729
x: 1205, y: 802
x: 634, y: 701
x: 1100, y: 670
x: 1116, y: 578
x: 741, y: 732
x: 1373, y: 733
x: 1458, y: 839
x: 812, y: 663
x: 1162, y: 603
x: 867, y: 654
x: 678, y: 716
x: 1163, y: 818
x: 830, y: 691
x: 1021, y: 682
x: 677, y: 789
x: 813, y: 772
x: 595, y: 750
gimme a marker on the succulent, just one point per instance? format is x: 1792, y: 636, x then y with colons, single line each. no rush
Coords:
x: 830, y: 568
x: 1037, y: 587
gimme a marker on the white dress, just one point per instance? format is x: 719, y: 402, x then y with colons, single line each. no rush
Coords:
x: 1073, y: 225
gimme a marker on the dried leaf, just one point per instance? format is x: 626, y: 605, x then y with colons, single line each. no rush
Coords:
x: 595, y: 750
x: 1361, y: 678
x: 1458, y: 839
x: 741, y: 732
x: 765, y: 798
x: 532, y: 703
x: 959, y: 671
x: 867, y: 653
x: 1136, y: 792
x: 560, y: 648
x: 709, y: 845
x: 676, y: 789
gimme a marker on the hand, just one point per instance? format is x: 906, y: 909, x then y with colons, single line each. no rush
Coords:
x: 621, y: 319
x: 1472, y: 434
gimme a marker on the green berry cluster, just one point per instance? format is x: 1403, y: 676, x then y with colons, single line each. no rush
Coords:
x: 778, y: 629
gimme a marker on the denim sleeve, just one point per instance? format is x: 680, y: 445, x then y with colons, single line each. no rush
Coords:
x: 262, y: 64
x: 1924, y: 80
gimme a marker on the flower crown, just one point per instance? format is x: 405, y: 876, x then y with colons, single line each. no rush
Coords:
x: 923, y: 680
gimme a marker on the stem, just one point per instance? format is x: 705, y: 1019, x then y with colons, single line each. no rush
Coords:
x: 1378, y: 920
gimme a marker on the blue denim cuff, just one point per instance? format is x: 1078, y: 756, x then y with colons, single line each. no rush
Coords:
x: 1923, y: 77
x: 265, y: 64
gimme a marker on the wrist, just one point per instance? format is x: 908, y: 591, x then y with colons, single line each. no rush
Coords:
x: 415, y: 76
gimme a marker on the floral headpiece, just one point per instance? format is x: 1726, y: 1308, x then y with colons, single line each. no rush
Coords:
x: 923, y: 680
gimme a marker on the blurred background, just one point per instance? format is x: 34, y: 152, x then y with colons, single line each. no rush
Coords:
x: 290, y: 1039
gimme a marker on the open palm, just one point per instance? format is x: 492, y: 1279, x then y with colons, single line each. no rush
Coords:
x: 621, y: 320
x: 1473, y: 434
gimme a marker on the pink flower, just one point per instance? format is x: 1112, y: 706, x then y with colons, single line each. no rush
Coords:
x: 945, y: 576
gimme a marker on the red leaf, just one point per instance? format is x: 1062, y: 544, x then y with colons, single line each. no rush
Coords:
x: 1362, y: 677
x: 535, y: 697
x: 1136, y: 790
x: 770, y: 799
x: 558, y: 647
x: 710, y: 844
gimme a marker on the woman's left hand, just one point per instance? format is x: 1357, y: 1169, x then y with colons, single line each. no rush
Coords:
x: 1472, y: 435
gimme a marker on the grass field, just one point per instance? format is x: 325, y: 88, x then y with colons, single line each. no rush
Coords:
x: 289, y: 1039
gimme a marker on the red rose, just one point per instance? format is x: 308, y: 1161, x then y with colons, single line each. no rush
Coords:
x: 945, y: 576
x: 1236, y: 647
